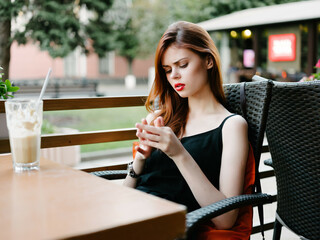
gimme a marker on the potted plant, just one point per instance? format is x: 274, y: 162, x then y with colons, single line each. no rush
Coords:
x: 314, y: 76
x: 6, y: 89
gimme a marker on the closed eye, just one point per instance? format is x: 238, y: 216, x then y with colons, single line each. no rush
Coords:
x: 167, y: 70
x: 184, y: 65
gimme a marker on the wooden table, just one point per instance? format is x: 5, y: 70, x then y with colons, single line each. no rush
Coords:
x: 60, y: 202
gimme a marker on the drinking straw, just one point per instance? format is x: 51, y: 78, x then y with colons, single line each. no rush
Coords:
x: 43, y: 87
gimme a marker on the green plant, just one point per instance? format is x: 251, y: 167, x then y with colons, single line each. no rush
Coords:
x: 6, y: 88
x: 48, y: 128
x: 317, y: 74
x: 314, y: 76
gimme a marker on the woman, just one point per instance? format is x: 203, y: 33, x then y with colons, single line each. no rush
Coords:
x: 192, y: 150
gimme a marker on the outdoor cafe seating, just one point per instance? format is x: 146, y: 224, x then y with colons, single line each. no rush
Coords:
x: 288, y: 111
x: 251, y: 100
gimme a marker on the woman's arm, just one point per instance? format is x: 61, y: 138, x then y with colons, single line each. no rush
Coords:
x: 233, y: 162
x: 143, y: 152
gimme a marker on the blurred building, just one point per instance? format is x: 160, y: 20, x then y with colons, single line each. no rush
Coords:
x: 281, y: 42
x: 28, y: 62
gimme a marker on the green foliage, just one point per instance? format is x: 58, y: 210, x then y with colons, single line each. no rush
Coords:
x: 190, y: 10
x: 127, y: 42
x: 151, y: 18
x: 124, y: 34
x: 98, y: 29
x: 222, y: 7
x: 57, y: 27
x: 47, y: 127
x: 10, y: 9
x: 6, y: 88
x: 187, y: 10
x: 101, y: 35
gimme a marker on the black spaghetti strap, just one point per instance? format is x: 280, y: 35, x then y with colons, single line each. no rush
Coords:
x: 224, y: 120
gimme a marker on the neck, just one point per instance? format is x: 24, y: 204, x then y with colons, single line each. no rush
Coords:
x: 204, y: 104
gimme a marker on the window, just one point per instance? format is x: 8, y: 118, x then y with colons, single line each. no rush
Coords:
x: 70, y: 65
x: 106, y: 64
x: 75, y: 64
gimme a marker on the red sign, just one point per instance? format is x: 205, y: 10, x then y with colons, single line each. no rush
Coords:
x: 282, y: 47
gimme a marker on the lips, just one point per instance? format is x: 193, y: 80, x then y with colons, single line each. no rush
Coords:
x: 179, y: 86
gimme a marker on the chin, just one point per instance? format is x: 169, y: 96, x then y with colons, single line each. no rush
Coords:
x: 182, y: 95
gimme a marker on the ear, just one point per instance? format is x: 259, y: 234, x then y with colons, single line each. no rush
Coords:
x: 209, y: 61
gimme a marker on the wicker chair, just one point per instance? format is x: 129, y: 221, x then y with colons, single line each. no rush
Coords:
x: 293, y: 133
x: 258, y: 95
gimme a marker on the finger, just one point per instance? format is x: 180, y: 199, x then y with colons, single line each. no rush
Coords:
x: 151, y: 137
x: 148, y: 128
x: 140, y: 150
x: 150, y: 144
x: 137, y: 132
x: 159, y: 122
x: 144, y: 121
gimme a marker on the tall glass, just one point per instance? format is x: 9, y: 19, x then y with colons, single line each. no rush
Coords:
x: 24, y: 120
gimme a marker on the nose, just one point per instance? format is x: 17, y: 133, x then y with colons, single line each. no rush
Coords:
x: 175, y: 73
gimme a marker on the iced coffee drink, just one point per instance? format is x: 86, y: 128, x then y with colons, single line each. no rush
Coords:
x: 24, y: 120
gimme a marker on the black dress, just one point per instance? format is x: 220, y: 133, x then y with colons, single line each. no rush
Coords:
x: 162, y: 178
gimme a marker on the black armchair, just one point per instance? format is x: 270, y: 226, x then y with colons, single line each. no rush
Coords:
x: 293, y: 133
x: 255, y: 110
x: 257, y: 99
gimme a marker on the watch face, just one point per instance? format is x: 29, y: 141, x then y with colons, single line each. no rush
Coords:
x: 131, y: 171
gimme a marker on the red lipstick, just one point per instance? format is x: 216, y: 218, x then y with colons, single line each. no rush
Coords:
x: 179, y: 86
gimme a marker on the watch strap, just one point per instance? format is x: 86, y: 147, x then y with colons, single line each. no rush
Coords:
x: 131, y: 171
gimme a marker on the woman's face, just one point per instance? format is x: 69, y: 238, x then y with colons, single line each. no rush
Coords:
x: 186, y: 71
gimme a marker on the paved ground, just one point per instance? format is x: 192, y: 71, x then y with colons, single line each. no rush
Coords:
x: 120, y: 90
x: 269, y: 186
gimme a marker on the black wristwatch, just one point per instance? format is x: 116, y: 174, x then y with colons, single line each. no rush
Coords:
x: 131, y: 171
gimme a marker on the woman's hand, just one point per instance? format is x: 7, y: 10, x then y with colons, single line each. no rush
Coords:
x: 160, y: 137
x: 144, y: 150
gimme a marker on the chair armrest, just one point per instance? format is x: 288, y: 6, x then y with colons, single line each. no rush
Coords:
x: 111, y: 174
x: 199, y: 216
x: 268, y: 162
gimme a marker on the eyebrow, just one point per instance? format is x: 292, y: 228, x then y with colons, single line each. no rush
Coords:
x: 176, y: 62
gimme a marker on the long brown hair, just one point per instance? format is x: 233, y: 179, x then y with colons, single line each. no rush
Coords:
x: 173, y: 108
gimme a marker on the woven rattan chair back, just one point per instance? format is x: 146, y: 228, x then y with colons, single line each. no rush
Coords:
x: 258, y: 95
x: 293, y: 133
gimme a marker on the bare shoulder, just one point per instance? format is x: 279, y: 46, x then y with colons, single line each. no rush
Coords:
x: 152, y: 116
x: 235, y: 123
x: 235, y: 136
